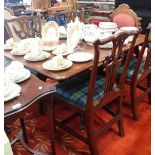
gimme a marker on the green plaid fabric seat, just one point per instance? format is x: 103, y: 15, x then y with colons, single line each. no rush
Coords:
x: 75, y: 89
x: 131, y: 68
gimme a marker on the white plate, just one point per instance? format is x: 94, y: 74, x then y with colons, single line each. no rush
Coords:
x: 63, y: 36
x: 64, y: 54
x: 22, y: 52
x: 80, y: 57
x: 48, y: 49
x: 43, y: 56
x: 15, y: 92
x: 108, y: 45
x: 24, y: 76
x: 129, y: 29
x: 48, y: 65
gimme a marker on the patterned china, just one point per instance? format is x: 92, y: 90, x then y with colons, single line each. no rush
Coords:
x: 57, y: 63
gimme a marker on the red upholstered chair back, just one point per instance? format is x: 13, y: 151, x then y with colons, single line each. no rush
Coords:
x: 124, y: 16
x: 123, y: 20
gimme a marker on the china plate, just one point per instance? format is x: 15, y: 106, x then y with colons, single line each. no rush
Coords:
x: 48, y: 65
x: 63, y: 53
x: 14, y: 93
x: 108, y: 45
x: 48, y: 49
x: 129, y: 29
x: 43, y: 56
x: 22, y: 52
x: 80, y: 57
x: 63, y: 36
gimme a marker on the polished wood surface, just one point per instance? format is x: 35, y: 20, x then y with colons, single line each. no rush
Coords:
x: 75, y: 69
x: 31, y: 90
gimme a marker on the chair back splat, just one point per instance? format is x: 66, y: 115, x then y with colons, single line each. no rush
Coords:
x: 23, y: 27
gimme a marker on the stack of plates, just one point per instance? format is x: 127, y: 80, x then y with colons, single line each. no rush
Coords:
x: 108, y: 26
x: 129, y: 29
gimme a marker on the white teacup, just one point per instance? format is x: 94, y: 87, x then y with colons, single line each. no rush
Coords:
x: 10, y: 42
x: 8, y: 84
x: 57, y: 61
x: 36, y: 51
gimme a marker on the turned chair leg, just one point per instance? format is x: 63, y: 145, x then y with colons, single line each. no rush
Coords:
x: 134, y: 104
x: 82, y: 127
x: 24, y: 130
x: 149, y: 86
x: 120, y: 118
x: 91, y: 137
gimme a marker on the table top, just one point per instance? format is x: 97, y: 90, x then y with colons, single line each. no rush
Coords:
x: 31, y: 90
x: 75, y: 69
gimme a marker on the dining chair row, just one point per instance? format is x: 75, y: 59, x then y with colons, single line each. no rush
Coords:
x: 103, y: 85
x: 123, y: 15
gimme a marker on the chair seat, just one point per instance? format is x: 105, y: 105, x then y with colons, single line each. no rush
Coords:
x: 131, y: 68
x: 75, y: 89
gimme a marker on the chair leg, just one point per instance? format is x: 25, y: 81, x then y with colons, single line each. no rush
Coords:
x: 82, y: 127
x: 134, y: 104
x: 120, y: 119
x: 149, y: 86
x: 90, y: 137
x: 24, y: 130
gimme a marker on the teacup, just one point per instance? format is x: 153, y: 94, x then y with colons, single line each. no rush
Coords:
x: 10, y: 42
x: 8, y: 84
x: 36, y: 51
x: 57, y: 61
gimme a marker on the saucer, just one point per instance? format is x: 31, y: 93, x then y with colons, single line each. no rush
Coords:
x: 48, y: 65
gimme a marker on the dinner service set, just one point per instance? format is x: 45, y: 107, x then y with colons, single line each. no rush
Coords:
x: 35, y: 49
x: 14, y: 73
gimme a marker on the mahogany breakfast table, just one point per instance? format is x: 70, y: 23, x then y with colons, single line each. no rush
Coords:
x: 75, y: 69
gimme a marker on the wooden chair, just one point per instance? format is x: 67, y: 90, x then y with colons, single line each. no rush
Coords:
x: 66, y: 16
x: 124, y: 16
x: 23, y: 27
x: 8, y: 13
x: 138, y: 74
x: 90, y: 91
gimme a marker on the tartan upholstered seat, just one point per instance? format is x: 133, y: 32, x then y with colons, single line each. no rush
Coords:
x: 131, y: 68
x: 75, y: 89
